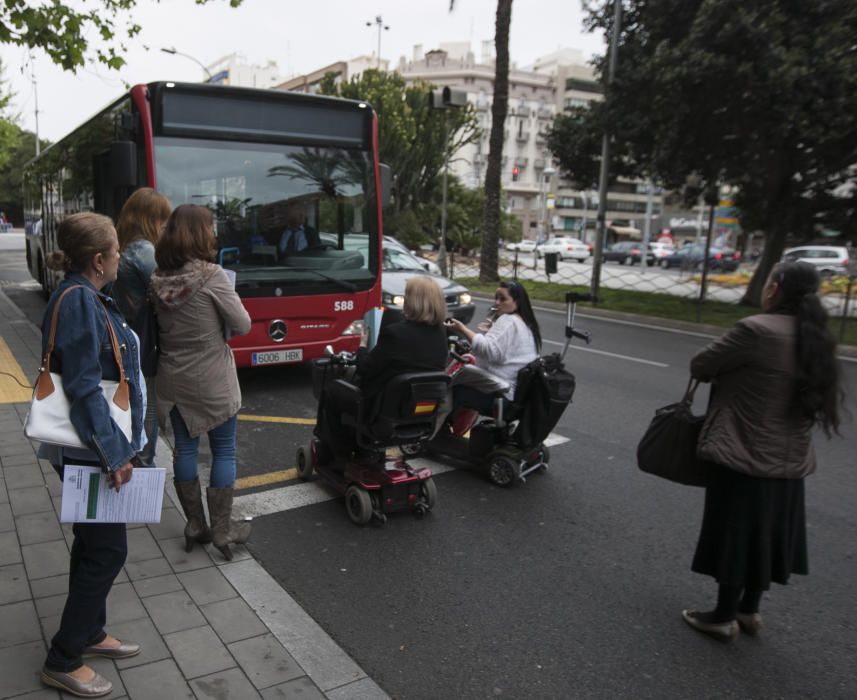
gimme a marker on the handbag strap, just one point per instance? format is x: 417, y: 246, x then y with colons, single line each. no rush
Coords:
x: 44, y: 384
x: 692, y: 386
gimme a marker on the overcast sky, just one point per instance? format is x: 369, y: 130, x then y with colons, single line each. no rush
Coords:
x: 299, y: 36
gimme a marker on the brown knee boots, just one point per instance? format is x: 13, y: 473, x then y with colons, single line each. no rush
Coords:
x: 190, y: 497
x: 224, y: 530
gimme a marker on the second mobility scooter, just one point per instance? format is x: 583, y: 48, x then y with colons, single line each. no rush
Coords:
x: 508, y: 446
x: 373, y: 484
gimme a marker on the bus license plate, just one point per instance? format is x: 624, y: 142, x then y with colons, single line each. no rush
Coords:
x: 275, y: 357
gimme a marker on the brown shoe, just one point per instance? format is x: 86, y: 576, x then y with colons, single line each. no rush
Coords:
x: 723, y: 631
x: 95, y: 688
x: 750, y: 623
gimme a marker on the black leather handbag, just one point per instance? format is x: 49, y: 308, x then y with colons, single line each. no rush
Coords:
x: 668, y: 447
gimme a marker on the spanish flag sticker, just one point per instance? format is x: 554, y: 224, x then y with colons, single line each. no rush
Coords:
x: 424, y: 407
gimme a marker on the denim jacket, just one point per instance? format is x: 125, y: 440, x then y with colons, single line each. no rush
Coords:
x: 83, y: 356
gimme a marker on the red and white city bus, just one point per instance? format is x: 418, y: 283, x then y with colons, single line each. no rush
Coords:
x: 257, y: 159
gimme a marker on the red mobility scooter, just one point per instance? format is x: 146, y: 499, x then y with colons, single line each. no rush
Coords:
x: 373, y: 484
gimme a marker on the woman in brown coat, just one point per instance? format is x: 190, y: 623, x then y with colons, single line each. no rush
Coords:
x: 197, y: 384
x: 774, y: 377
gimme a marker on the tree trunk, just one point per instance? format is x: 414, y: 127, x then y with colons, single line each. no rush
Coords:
x: 499, y: 108
x: 775, y: 243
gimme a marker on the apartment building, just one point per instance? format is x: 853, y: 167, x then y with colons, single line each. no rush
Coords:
x: 343, y: 71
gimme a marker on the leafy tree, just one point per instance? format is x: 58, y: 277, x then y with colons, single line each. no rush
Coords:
x: 756, y: 94
x: 410, y: 136
x: 64, y: 33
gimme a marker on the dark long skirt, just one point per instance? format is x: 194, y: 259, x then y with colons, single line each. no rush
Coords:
x: 753, y: 530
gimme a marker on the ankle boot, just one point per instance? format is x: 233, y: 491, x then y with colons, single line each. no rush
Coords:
x: 224, y: 530
x: 190, y: 497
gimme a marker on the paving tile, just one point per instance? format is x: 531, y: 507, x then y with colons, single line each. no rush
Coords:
x: 171, y: 525
x: 38, y: 527
x: 141, y: 545
x: 54, y: 488
x: 173, y: 612
x: 170, y: 683
x: 364, y: 689
x: 265, y: 661
x: 206, y: 586
x: 108, y: 669
x: 4, y: 494
x: 233, y: 620
x: 138, y: 570
x: 21, y: 461
x: 19, y: 623
x: 16, y: 450
x: 10, y: 549
x: 23, y: 477
x: 180, y: 560
x: 13, y: 584
x: 142, y: 632
x: 35, y: 499
x: 7, y: 522
x: 199, y: 652
x: 225, y: 684
x: 156, y: 585
x: 46, y: 559
x: 50, y: 626
x: 20, y: 666
x: 50, y: 605
x: 44, y: 694
x: 299, y: 689
x: 124, y: 604
x: 52, y: 585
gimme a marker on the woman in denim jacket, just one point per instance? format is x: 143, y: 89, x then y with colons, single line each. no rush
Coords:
x: 139, y: 228
x: 83, y: 355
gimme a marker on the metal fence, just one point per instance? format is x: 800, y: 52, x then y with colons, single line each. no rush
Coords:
x: 721, y: 286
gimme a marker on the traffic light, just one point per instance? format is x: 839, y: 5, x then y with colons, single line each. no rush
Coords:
x: 515, y: 172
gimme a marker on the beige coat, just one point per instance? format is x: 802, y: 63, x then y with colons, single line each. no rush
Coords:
x: 196, y: 368
x: 754, y: 424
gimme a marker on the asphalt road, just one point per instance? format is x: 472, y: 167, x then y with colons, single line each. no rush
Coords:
x: 569, y: 586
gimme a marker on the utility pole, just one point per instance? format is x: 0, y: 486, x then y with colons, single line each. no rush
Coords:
x: 380, y: 22
x: 601, y: 220
x: 172, y: 51
x: 35, y: 101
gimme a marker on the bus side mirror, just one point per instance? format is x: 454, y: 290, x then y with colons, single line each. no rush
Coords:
x: 386, y: 183
x: 123, y: 164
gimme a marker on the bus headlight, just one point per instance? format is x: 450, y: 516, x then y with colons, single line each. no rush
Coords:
x: 356, y: 328
x: 393, y: 299
x: 464, y: 298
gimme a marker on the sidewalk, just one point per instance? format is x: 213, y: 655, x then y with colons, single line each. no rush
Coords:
x: 209, y: 628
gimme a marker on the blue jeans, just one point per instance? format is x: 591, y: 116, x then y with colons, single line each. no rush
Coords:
x: 222, y: 442
x: 150, y: 425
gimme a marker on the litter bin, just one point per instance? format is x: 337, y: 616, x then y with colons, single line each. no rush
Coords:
x: 550, y: 263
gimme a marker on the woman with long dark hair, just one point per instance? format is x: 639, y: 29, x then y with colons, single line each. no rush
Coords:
x: 510, y: 341
x: 774, y: 376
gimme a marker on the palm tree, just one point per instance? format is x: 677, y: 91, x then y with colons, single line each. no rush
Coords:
x: 499, y: 109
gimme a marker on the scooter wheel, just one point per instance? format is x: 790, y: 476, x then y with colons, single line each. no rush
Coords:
x: 546, y: 454
x: 428, y: 491
x: 411, y: 449
x: 358, y: 504
x: 503, y: 471
x: 304, y: 461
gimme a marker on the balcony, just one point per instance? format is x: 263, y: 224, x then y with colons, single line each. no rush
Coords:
x: 523, y: 136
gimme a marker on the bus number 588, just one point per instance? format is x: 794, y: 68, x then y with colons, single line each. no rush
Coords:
x: 347, y: 305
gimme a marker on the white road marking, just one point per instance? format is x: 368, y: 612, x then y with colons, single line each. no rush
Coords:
x: 608, y: 354
x: 317, y: 491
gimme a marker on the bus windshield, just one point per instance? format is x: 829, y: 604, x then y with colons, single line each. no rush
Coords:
x: 283, y: 213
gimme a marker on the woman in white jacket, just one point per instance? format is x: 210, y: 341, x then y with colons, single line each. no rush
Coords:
x: 508, y: 343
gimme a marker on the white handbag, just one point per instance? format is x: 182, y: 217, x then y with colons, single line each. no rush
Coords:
x: 49, y: 418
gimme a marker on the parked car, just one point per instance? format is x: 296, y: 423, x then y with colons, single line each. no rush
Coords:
x: 661, y: 249
x: 525, y: 246
x: 425, y: 262
x: 628, y: 253
x: 828, y: 259
x: 566, y: 247
x: 690, y: 257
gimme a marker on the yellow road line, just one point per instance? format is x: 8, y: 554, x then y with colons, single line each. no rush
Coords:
x: 10, y: 390
x: 249, y: 482
x: 274, y: 419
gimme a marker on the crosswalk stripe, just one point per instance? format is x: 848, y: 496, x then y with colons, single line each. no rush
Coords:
x: 309, y: 493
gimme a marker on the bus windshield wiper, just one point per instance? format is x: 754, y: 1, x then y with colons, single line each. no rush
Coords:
x: 345, y: 284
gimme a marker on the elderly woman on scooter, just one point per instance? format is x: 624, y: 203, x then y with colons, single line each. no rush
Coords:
x: 506, y: 344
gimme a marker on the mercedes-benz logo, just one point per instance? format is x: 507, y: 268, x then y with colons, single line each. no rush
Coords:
x: 277, y: 330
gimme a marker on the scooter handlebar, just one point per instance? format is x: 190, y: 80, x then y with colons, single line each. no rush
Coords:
x: 574, y: 297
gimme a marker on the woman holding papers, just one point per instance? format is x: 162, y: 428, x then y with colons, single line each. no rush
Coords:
x: 416, y: 344
x: 197, y: 384
x: 83, y: 355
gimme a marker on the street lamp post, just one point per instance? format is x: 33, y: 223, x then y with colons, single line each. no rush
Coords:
x: 380, y: 22
x: 172, y: 50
